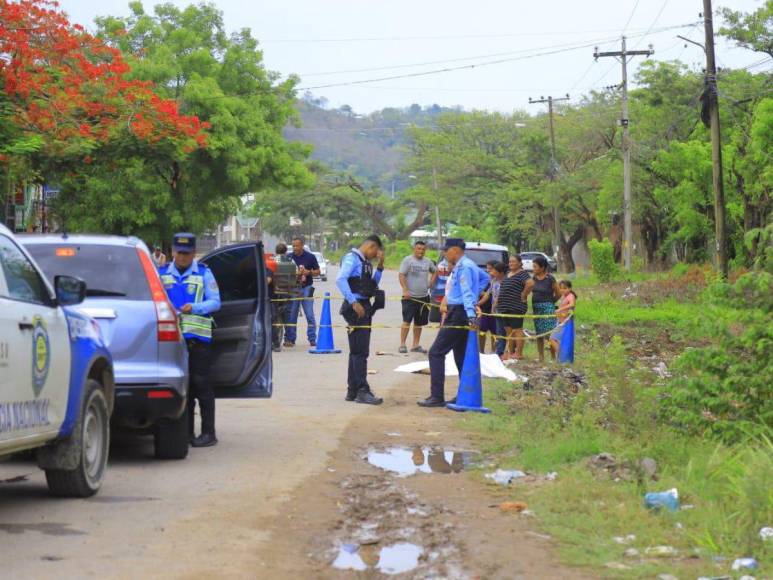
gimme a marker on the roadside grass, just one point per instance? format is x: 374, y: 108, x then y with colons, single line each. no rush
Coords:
x: 731, y: 489
x: 728, y: 486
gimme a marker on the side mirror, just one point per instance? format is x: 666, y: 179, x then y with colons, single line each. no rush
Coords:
x: 69, y: 290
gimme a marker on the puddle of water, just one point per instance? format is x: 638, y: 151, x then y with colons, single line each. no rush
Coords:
x: 394, y: 559
x: 349, y: 558
x: 399, y: 558
x: 405, y: 462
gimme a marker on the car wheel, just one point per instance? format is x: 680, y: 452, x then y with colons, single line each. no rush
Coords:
x: 90, y: 440
x: 324, y: 278
x: 171, y: 438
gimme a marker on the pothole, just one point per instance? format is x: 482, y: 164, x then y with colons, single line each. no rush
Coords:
x: 384, y: 528
x: 394, y: 559
x: 405, y: 461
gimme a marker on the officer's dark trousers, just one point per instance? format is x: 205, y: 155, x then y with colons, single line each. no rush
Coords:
x: 200, y: 387
x: 278, y: 310
x: 359, y: 347
x: 448, y: 339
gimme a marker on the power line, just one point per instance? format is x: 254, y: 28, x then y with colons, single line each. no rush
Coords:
x: 627, y: 22
x: 462, y: 67
x: 444, y: 70
x: 433, y: 62
x: 654, y: 22
x: 442, y: 37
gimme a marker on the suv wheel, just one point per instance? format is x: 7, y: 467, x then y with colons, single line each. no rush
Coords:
x: 90, y: 441
x: 171, y: 438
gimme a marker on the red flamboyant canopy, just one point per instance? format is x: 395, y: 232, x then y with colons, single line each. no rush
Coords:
x: 70, y: 87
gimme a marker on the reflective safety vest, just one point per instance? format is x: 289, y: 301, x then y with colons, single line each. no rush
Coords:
x: 188, y: 290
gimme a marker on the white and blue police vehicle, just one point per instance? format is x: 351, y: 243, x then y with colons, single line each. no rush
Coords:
x: 56, y: 375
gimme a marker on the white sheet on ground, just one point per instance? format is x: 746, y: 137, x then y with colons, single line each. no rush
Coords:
x: 491, y: 366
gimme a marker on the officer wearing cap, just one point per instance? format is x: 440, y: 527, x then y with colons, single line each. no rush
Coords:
x: 359, y: 284
x: 458, y: 307
x: 193, y: 291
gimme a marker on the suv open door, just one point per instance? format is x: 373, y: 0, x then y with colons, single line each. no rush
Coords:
x: 241, y: 339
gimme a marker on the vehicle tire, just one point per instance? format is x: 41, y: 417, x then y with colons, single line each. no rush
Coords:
x: 90, y: 440
x: 324, y: 278
x: 171, y: 438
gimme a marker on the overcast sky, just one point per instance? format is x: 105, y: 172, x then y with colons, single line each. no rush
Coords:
x: 314, y: 37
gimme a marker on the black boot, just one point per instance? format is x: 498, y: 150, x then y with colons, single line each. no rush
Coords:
x: 432, y: 402
x: 365, y: 397
x: 351, y: 395
x: 205, y: 440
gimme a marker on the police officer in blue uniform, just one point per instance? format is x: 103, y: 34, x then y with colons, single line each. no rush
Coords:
x: 359, y: 284
x: 465, y: 285
x: 193, y: 291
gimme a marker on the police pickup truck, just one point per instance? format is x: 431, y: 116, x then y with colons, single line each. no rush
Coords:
x: 56, y: 376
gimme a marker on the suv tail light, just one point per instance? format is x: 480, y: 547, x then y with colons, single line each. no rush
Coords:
x: 168, y: 329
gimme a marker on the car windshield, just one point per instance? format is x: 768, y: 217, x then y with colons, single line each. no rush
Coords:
x: 109, y: 271
x: 319, y: 257
x: 529, y: 255
x: 482, y: 257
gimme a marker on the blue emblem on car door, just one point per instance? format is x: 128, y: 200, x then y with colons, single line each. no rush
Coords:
x: 41, y: 355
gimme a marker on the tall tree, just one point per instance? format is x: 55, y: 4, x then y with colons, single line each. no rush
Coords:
x: 67, y: 95
x: 751, y: 30
x: 221, y: 79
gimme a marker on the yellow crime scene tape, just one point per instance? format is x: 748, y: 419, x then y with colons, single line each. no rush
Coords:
x: 428, y: 305
x: 434, y: 327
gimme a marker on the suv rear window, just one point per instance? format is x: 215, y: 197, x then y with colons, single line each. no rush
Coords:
x: 482, y: 257
x: 109, y: 271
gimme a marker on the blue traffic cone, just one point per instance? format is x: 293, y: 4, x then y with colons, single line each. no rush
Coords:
x: 470, y: 394
x: 566, y: 346
x: 325, y: 338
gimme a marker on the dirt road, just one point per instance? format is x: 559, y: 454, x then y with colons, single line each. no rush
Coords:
x: 285, y: 488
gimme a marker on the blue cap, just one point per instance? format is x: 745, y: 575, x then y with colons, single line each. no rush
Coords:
x: 184, y: 242
x: 454, y: 243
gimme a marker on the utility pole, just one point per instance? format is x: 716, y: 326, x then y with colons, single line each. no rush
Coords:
x: 553, y: 174
x: 716, y: 142
x: 622, y: 55
x: 438, y: 225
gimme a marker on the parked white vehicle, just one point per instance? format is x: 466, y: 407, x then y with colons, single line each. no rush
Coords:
x: 527, y: 259
x: 323, y: 264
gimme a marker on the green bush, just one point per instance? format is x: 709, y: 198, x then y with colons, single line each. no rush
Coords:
x: 602, y: 260
x: 726, y: 389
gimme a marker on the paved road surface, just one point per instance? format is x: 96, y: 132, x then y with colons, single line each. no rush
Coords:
x: 206, y: 514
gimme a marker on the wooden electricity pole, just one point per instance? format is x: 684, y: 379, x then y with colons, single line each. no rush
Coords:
x: 553, y: 174
x: 716, y: 142
x: 623, y: 55
x: 438, y: 223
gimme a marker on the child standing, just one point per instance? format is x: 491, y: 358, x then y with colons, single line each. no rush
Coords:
x: 565, y: 308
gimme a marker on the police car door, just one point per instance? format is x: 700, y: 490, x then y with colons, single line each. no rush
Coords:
x: 241, y: 338
x: 34, y: 352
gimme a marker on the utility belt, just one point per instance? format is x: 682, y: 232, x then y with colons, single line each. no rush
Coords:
x: 378, y: 303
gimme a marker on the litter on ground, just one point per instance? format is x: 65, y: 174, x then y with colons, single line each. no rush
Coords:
x: 745, y: 564
x: 491, y: 366
x: 505, y: 476
x: 513, y: 506
x: 664, y: 499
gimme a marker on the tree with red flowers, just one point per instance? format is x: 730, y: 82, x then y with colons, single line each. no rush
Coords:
x: 73, y: 90
x: 71, y: 112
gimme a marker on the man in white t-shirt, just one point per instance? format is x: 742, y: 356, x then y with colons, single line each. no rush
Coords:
x: 415, y: 273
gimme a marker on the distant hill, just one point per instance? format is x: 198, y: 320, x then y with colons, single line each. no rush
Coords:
x: 370, y: 147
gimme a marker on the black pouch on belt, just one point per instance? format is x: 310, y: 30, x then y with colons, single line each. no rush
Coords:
x: 379, y: 300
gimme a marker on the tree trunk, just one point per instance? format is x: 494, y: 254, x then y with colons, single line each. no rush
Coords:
x: 565, y: 259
